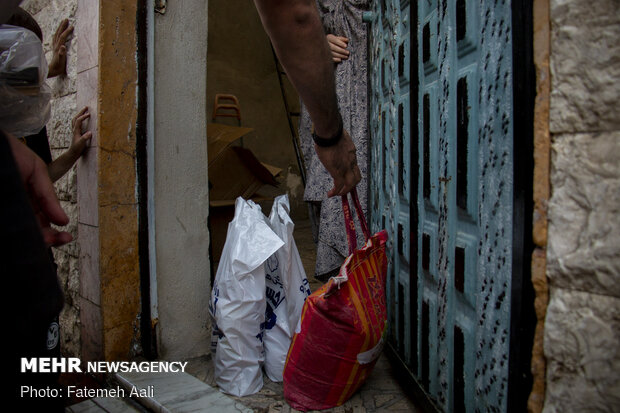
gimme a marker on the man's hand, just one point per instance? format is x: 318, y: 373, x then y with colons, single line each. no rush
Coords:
x: 41, y: 191
x: 58, y: 64
x: 299, y: 40
x: 338, y: 46
x: 340, y: 161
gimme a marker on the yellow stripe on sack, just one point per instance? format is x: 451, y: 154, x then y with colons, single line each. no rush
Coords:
x: 295, y: 335
x: 365, y: 267
x: 371, y: 301
x: 360, y: 310
x: 373, y: 263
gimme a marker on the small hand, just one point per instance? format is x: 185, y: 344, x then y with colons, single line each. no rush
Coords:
x: 41, y: 192
x: 58, y: 64
x: 80, y: 139
x: 338, y: 46
x: 340, y: 161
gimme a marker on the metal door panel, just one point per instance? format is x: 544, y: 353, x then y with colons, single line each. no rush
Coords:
x: 441, y: 168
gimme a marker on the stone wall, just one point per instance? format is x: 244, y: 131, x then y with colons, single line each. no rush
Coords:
x: 49, y: 15
x: 582, y: 329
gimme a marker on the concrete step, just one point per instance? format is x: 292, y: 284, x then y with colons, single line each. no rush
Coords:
x: 105, y: 405
x: 177, y: 393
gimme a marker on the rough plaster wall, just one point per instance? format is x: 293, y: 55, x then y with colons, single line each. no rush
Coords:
x: 49, y: 15
x: 181, y: 189
x: 240, y: 62
x: 582, y: 329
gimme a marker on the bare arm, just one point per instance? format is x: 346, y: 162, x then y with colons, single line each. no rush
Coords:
x: 299, y: 41
x: 59, y: 166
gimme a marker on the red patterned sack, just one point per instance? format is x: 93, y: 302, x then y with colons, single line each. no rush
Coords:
x: 342, y: 325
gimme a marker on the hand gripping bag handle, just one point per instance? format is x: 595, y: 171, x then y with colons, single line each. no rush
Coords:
x: 350, y: 224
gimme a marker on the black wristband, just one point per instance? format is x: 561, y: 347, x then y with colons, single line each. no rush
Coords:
x: 327, y: 142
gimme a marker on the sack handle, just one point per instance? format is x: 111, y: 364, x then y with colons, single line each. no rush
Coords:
x: 350, y: 224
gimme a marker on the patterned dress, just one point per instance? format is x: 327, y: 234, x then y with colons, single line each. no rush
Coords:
x: 341, y: 18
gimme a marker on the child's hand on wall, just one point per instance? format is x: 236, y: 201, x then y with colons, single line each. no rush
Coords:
x: 58, y: 64
x: 80, y: 139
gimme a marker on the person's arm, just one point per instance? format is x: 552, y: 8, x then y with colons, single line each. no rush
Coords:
x: 59, y: 166
x: 298, y: 38
x: 58, y: 64
x: 41, y: 191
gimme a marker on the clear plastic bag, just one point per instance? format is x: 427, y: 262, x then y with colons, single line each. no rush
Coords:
x: 24, y: 96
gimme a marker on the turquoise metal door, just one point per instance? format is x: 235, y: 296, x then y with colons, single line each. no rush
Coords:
x: 441, y: 122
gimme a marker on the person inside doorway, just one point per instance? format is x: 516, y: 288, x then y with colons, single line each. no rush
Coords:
x: 347, y: 40
x: 298, y: 39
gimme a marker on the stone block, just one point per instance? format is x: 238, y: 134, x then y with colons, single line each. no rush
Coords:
x: 71, y: 248
x: 72, y: 288
x: 68, y: 276
x: 538, y: 363
x: 63, y: 265
x: 120, y: 298
x: 65, y: 85
x: 119, y: 278
x: 585, y: 66
x: 70, y: 331
x: 89, y: 263
x: 570, y: 12
x: 118, y: 236
x: 87, y: 96
x: 119, y: 340
x: 584, y: 213
x: 66, y: 186
x: 34, y: 6
x: 87, y: 32
x: 581, y: 345
x: 116, y: 167
x: 87, y: 187
x: 49, y: 17
x: 91, y: 331
x: 59, y: 126
x: 69, y: 317
x: 118, y: 79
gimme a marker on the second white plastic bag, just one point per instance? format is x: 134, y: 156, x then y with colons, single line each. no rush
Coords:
x: 286, y: 290
x: 238, y: 300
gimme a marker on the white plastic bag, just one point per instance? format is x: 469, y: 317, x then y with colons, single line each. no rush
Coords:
x: 286, y: 290
x: 238, y: 300
x: 24, y: 96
